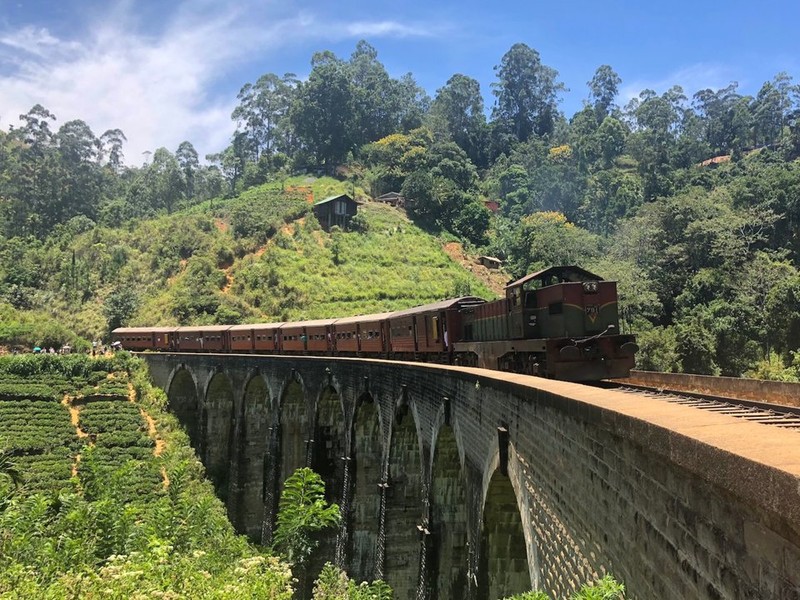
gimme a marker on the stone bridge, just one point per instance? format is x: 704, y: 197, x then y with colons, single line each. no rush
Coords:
x: 459, y: 483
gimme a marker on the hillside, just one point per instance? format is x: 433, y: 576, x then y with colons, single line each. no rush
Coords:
x: 260, y: 256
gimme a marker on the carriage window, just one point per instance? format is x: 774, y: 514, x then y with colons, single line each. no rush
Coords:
x: 435, y: 327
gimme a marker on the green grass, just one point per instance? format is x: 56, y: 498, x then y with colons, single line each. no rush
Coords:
x: 255, y: 257
x: 313, y: 274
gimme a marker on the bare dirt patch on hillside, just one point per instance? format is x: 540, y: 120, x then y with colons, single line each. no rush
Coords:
x: 494, y: 279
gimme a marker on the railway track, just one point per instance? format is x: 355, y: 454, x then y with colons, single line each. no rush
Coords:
x: 766, y: 413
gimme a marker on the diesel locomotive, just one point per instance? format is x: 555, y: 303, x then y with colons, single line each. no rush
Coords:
x: 562, y: 323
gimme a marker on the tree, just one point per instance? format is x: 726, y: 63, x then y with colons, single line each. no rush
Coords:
x: 263, y: 110
x: 36, y: 129
x: 392, y: 158
x: 164, y: 177
x: 717, y: 111
x: 376, y: 107
x: 457, y: 114
x: 527, y: 93
x: 656, y: 123
x: 603, y: 89
x: 413, y: 100
x: 120, y: 306
x: 302, y: 513
x: 772, y: 108
x: 111, y: 143
x: 544, y: 239
x: 189, y: 163
x: 81, y: 190
x: 323, y: 111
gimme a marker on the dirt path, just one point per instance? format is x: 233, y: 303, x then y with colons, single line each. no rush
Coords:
x: 494, y: 279
x: 74, y: 416
x: 152, y: 430
x: 75, y: 420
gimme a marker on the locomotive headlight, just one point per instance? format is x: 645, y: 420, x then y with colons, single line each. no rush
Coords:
x: 590, y: 287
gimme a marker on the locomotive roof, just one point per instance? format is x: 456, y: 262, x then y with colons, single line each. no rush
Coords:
x: 441, y: 305
x: 571, y: 273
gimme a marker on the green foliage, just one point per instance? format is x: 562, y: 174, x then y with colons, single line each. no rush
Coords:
x: 606, y: 588
x: 302, y: 512
x: 773, y: 368
x: 658, y: 350
x: 333, y: 584
x: 129, y: 524
x: 544, y: 239
x: 120, y: 306
x: 529, y: 596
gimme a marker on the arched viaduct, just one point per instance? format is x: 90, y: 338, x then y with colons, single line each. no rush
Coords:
x: 460, y: 483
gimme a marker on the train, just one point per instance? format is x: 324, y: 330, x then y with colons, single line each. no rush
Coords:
x: 561, y: 323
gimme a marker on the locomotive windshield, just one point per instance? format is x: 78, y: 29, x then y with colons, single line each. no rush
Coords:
x: 551, y: 276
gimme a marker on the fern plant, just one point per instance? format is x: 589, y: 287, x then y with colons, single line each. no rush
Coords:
x: 302, y: 511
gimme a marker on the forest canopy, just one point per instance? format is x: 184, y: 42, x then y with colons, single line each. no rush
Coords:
x: 689, y: 198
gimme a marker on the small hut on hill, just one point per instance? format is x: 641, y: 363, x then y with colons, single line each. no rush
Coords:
x: 335, y: 210
x: 392, y: 199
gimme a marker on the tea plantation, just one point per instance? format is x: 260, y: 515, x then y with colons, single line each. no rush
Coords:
x: 102, y: 497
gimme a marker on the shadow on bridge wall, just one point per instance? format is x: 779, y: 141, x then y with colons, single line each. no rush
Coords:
x: 464, y: 484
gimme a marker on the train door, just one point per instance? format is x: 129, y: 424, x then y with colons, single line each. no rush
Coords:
x: 516, y: 313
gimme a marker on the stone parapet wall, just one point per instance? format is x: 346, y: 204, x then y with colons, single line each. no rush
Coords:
x: 733, y: 387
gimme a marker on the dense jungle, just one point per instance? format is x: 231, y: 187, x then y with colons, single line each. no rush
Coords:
x: 689, y: 198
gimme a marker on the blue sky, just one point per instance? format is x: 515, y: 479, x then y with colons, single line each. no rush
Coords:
x: 165, y: 71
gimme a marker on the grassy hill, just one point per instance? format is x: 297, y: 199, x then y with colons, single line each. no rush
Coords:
x: 258, y: 257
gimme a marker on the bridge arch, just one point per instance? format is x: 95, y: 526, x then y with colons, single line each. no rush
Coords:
x: 253, y: 445
x: 404, y: 503
x: 328, y: 454
x: 367, y: 477
x: 504, y: 568
x: 294, y: 427
x: 217, y: 433
x: 183, y: 401
x: 330, y: 442
x: 448, y: 516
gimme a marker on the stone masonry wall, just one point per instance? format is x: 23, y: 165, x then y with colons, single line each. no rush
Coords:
x: 675, y: 502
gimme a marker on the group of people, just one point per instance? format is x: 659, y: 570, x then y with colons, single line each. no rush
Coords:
x: 98, y: 349
x: 50, y: 350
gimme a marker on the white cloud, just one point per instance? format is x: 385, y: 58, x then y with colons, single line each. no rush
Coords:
x: 386, y: 28
x: 156, y: 87
x: 692, y: 79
